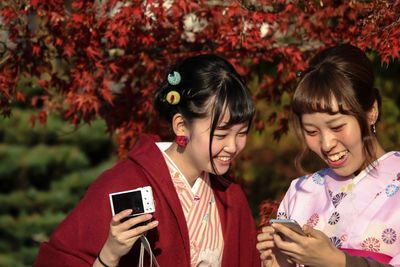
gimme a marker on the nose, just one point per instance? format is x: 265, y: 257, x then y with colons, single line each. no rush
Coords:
x: 231, y: 145
x: 328, y: 141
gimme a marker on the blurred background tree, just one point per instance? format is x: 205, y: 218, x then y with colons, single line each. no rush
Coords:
x: 44, y: 172
x: 76, y: 83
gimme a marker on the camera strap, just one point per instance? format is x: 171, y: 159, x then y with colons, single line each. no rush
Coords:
x: 146, y: 245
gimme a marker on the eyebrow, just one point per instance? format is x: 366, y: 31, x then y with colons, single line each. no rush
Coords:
x: 227, y: 126
x: 328, y: 122
x: 223, y: 127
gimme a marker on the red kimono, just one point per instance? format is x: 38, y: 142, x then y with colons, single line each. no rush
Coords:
x: 79, y: 238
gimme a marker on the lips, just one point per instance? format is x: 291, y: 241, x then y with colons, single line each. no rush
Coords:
x: 224, y: 160
x: 337, y: 156
x: 337, y: 159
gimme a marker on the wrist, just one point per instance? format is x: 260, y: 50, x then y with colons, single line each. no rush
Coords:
x: 107, y: 259
x: 338, y: 259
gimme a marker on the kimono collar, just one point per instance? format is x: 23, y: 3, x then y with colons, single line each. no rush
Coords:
x: 372, y: 169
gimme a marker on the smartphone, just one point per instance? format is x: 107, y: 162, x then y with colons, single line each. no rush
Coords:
x: 290, y: 223
x: 140, y: 200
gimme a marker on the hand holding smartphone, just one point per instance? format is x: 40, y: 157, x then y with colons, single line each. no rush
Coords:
x: 290, y: 223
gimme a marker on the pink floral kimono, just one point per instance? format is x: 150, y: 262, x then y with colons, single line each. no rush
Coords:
x: 360, y: 215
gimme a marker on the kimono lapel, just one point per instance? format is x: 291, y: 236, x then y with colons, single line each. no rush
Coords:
x: 221, y: 200
x: 373, y: 187
x: 182, y: 187
x: 149, y: 156
x: 200, y: 212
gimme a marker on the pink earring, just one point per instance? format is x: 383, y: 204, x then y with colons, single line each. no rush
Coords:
x: 182, y: 140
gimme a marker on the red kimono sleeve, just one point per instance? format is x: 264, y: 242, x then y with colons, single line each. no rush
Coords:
x: 78, y: 239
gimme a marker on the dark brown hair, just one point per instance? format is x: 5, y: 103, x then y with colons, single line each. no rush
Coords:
x: 204, y: 78
x: 343, y: 73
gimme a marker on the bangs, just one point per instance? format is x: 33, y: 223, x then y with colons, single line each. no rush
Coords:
x: 236, y: 99
x: 318, y: 92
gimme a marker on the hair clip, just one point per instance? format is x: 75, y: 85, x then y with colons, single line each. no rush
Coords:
x: 174, y: 78
x: 173, y: 97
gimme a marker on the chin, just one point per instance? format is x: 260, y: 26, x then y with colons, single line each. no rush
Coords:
x: 220, y: 172
x: 223, y: 172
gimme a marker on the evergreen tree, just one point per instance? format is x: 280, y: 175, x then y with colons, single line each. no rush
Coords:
x: 44, y: 172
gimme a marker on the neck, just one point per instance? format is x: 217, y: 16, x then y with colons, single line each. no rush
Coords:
x: 183, y: 163
x: 379, y: 151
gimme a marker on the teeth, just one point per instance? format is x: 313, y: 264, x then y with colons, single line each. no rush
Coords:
x: 224, y: 158
x: 337, y: 156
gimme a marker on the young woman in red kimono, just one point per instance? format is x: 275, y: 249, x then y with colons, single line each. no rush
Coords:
x: 201, y: 217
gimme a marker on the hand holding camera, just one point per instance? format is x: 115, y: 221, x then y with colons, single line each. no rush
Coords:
x: 132, y: 212
x: 139, y: 200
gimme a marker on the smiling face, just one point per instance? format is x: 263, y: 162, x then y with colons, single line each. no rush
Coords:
x: 227, y: 143
x: 336, y: 139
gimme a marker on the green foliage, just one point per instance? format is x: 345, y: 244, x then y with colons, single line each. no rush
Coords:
x: 388, y: 82
x: 44, y: 172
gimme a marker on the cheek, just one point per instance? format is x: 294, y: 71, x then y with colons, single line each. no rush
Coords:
x: 352, y: 135
x: 200, y: 141
x: 352, y: 139
x: 241, y: 143
x: 217, y: 146
x: 313, y: 143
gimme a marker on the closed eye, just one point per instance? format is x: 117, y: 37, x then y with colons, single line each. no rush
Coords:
x: 337, y: 128
x: 244, y: 133
x: 310, y: 132
x: 220, y: 136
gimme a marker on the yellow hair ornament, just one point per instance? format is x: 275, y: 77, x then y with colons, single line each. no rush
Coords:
x: 173, y: 97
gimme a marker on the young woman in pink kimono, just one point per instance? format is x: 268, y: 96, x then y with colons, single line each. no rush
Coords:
x: 349, y: 211
x: 201, y: 218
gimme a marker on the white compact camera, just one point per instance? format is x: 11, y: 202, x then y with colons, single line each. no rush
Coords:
x: 140, y: 200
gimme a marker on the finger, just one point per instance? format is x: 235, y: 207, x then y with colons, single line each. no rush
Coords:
x: 133, y: 234
x: 130, y: 235
x: 283, y: 244
x: 147, y: 227
x: 268, y: 229
x: 116, y: 219
x: 287, y: 232
x: 309, y: 231
x: 264, y: 236
x: 291, y: 256
x: 136, y: 220
x: 265, y: 245
x: 266, y: 254
x: 278, y: 240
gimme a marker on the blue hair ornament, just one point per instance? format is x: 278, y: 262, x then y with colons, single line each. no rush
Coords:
x: 174, y: 78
